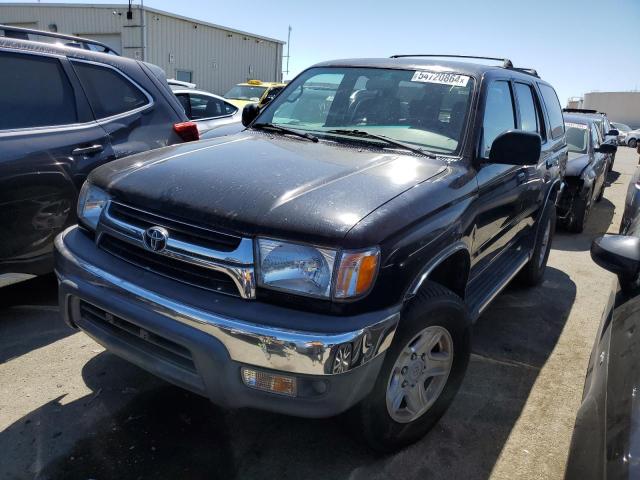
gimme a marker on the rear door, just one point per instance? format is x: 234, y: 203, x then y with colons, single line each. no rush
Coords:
x: 531, y: 119
x: 134, y: 119
x: 48, y: 144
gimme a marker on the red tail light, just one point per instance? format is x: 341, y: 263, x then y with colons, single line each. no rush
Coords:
x: 188, y: 131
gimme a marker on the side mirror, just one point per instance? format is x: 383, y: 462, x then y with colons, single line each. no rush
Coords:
x: 613, y: 132
x: 249, y: 113
x: 516, y: 147
x: 607, y: 148
x: 619, y: 254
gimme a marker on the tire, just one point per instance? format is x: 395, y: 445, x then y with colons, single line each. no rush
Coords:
x: 601, y: 194
x: 633, y: 143
x: 628, y: 285
x: 435, y: 310
x: 581, y: 209
x: 533, y: 272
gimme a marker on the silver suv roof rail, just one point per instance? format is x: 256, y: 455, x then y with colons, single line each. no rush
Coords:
x: 506, y: 63
x: 79, y: 42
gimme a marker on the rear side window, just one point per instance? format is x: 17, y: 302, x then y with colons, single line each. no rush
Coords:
x: 498, y: 114
x: 529, y: 121
x: 34, y: 92
x: 108, y: 91
x: 203, y: 106
x: 553, y: 109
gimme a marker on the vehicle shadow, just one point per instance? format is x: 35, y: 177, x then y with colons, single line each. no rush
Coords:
x: 598, y: 223
x: 34, y: 303
x: 135, y: 426
x: 612, y: 176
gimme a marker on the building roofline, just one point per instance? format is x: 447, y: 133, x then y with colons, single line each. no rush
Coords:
x: 148, y: 9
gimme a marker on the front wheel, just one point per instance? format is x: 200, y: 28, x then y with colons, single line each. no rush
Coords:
x: 421, y: 373
x: 633, y: 143
x: 581, y: 209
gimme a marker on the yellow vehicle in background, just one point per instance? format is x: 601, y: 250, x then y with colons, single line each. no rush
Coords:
x: 253, y: 91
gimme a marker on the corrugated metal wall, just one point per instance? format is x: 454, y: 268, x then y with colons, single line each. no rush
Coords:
x: 218, y: 58
x: 79, y: 20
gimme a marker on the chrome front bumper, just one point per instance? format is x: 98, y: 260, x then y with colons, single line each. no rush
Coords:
x: 295, y: 351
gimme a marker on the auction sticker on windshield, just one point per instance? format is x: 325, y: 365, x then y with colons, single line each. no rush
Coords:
x: 454, y: 79
x: 575, y: 125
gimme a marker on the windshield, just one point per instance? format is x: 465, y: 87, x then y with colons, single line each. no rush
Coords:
x: 622, y: 127
x: 577, y: 137
x: 427, y: 109
x: 245, y: 92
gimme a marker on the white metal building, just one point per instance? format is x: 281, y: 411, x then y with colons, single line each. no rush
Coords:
x: 212, y: 56
x: 623, y: 107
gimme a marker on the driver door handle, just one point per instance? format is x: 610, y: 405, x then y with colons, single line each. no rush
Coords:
x: 87, y: 150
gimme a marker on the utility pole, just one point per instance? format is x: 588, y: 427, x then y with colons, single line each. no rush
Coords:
x: 288, y: 51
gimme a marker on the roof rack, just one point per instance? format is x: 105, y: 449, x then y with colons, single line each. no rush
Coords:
x: 506, y: 63
x: 529, y: 71
x: 579, y: 110
x: 78, y: 42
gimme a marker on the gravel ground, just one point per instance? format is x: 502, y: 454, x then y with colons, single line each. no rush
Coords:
x: 69, y: 409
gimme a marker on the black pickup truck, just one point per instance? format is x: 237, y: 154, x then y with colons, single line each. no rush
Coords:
x: 335, y: 254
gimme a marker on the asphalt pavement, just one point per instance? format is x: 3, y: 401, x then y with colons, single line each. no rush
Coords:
x: 71, y: 410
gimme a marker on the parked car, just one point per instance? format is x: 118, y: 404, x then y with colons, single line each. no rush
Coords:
x: 633, y: 138
x: 608, y: 134
x: 209, y: 111
x: 623, y: 130
x: 253, y: 91
x: 65, y: 111
x: 605, y: 436
x: 585, y: 178
x: 631, y: 204
x: 335, y: 254
x: 173, y: 83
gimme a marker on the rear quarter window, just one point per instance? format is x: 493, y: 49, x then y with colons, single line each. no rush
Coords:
x: 109, y: 92
x: 554, y: 110
x: 34, y: 92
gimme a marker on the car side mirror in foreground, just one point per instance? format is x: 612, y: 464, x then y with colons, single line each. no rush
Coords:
x: 516, y: 147
x: 613, y: 133
x: 619, y: 254
x: 607, y: 148
x: 249, y: 113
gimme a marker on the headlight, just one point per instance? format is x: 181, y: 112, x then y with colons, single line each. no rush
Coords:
x: 296, y: 267
x: 91, y: 202
x: 309, y: 270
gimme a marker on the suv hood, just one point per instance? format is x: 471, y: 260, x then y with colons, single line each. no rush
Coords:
x: 256, y: 183
x: 576, y: 163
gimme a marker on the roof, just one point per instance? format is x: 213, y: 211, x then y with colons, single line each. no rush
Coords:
x: 111, y: 6
x: 580, y: 118
x: 201, y: 92
x: 470, y: 68
x: 262, y: 84
x: 69, y: 51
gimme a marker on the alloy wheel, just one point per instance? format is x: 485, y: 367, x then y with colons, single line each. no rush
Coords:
x: 419, y: 374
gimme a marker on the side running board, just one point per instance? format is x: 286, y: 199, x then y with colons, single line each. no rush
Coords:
x: 482, y: 290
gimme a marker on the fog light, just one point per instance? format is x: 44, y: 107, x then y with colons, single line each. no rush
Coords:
x: 269, y: 382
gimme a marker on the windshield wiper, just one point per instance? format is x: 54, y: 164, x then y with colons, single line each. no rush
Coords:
x: 278, y: 128
x: 387, y: 140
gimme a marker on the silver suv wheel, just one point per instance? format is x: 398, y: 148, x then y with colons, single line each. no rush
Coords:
x: 419, y: 374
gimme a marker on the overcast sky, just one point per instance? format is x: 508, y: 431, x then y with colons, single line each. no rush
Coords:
x: 576, y: 45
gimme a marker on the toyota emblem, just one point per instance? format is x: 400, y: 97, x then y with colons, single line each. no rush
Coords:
x: 155, y: 238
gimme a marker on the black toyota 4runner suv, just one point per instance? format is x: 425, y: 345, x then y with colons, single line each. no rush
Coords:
x: 335, y: 254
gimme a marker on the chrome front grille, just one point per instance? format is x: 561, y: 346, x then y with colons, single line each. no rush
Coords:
x: 191, y: 254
